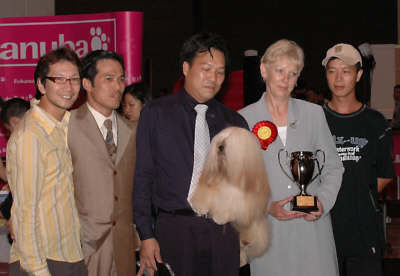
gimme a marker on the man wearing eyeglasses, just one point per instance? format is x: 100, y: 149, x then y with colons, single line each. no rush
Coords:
x: 39, y: 170
x: 103, y: 149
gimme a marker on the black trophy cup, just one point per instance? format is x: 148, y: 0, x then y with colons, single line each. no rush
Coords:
x: 302, y: 165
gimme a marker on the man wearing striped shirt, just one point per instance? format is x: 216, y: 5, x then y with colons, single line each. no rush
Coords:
x: 39, y: 169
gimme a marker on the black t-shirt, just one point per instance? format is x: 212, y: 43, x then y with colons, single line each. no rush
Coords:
x: 364, y: 143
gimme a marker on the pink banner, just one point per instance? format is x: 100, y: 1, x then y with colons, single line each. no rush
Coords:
x: 396, y: 151
x: 23, y: 40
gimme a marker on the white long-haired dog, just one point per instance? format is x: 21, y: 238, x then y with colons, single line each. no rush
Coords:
x: 233, y: 187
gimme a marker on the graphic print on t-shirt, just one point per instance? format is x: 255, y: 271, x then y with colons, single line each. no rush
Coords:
x: 349, y: 148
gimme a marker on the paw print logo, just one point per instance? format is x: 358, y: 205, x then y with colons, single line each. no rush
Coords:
x: 99, y: 39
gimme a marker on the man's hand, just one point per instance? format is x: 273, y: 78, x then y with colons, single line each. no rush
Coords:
x: 314, y: 215
x: 149, y: 254
x: 276, y: 210
x: 382, y: 183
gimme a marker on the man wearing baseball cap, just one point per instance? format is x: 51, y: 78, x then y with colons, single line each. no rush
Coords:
x: 363, y: 142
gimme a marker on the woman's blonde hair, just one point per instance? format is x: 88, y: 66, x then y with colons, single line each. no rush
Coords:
x: 284, y: 48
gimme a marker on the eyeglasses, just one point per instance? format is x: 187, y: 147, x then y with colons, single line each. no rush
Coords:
x: 64, y: 80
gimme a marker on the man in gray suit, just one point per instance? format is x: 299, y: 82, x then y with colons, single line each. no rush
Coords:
x: 103, y: 153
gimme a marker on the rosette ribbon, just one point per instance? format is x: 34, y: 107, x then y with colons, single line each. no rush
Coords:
x: 266, y: 133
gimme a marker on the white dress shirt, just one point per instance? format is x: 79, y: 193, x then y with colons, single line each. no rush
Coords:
x: 100, y: 118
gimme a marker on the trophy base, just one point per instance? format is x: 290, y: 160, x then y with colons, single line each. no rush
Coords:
x: 305, y: 204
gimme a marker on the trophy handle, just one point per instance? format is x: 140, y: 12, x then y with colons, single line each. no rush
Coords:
x: 280, y: 164
x: 318, y: 166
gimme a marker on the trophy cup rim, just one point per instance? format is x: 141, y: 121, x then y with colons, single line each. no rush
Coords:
x: 302, y: 152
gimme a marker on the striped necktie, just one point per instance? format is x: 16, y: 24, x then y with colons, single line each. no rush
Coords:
x: 111, y: 147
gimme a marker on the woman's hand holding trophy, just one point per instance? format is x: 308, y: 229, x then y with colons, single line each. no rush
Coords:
x: 302, y: 164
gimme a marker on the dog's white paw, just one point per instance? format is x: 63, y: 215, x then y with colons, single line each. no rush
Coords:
x: 199, y: 208
x: 221, y: 217
x: 243, y: 257
x: 200, y: 211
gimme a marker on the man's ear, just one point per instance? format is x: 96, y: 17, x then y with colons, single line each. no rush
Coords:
x: 185, y: 67
x: 87, y: 84
x: 359, y: 74
x: 40, y: 86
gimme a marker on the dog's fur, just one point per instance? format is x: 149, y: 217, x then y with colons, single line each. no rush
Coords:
x: 233, y: 187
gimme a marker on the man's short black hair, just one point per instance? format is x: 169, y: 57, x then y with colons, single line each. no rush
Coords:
x: 14, y: 107
x: 200, y: 43
x: 89, y: 63
x: 50, y: 58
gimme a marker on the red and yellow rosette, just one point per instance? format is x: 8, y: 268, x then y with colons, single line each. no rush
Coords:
x: 266, y: 133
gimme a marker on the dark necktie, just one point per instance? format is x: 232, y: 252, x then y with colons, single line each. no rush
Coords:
x: 111, y: 147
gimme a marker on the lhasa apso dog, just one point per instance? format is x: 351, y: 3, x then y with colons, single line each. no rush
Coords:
x: 233, y: 188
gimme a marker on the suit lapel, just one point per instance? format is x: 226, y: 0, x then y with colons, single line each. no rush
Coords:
x: 264, y: 113
x: 124, y: 134
x: 292, y: 127
x: 89, y: 128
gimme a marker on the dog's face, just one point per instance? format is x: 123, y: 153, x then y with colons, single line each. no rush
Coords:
x: 236, y: 153
x: 228, y: 145
x: 219, y: 148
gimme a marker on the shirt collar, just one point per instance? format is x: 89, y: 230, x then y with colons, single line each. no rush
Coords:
x: 189, y: 102
x: 100, y: 118
x: 347, y: 115
x: 48, y: 121
x: 293, y: 113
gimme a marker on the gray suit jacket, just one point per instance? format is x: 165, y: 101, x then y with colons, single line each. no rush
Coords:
x: 299, y: 247
x: 103, y: 193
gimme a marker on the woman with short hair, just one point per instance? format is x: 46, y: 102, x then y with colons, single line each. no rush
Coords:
x: 301, y: 243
